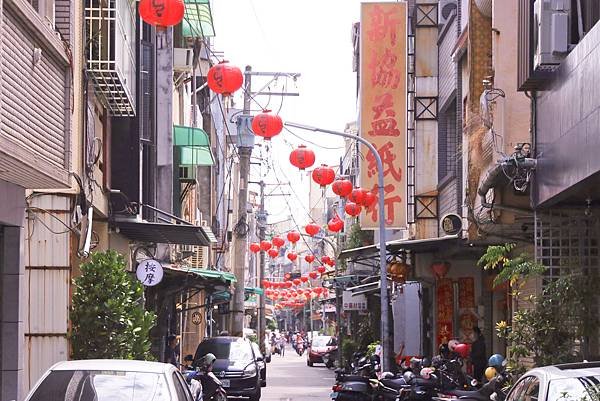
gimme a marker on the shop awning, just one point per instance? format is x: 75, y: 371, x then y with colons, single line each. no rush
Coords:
x: 197, y: 21
x: 164, y: 233
x: 194, y: 146
x: 254, y: 290
x: 226, y: 277
x: 392, y: 247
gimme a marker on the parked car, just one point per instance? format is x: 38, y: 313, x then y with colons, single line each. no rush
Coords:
x: 111, y: 380
x: 319, y: 346
x: 236, y: 365
x: 262, y: 364
x: 572, y: 381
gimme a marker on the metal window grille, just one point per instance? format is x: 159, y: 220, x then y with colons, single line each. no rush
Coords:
x: 111, y: 34
x: 567, y: 241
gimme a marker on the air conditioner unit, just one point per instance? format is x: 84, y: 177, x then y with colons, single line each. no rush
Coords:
x: 550, y: 34
x: 187, y: 173
x: 182, y: 59
x: 199, y: 258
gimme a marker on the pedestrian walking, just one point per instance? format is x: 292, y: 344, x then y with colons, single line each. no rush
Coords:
x: 478, y: 354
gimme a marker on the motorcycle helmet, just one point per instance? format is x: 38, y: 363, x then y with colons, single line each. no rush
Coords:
x: 207, y: 360
x: 496, y: 361
x: 387, y: 375
x: 426, y: 373
x: 490, y: 373
x: 452, y: 345
x: 426, y: 362
x: 409, y: 376
x: 374, y: 358
x: 463, y: 350
x: 444, y: 351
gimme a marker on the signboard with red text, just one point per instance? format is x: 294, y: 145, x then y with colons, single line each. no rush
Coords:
x: 383, y: 108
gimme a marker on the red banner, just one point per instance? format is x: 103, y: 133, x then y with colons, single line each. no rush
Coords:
x: 445, y: 310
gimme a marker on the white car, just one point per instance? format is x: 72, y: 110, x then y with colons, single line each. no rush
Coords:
x: 111, y: 380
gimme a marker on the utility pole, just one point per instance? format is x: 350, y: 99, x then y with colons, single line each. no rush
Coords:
x: 241, y: 226
x: 262, y: 229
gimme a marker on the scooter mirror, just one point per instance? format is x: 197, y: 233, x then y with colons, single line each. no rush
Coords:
x: 474, y: 383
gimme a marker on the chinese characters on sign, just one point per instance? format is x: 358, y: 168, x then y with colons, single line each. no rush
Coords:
x: 445, y: 310
x: 149, y: 272
x: 467, y: 309
x: 383, y: 107
x: 356, y: 302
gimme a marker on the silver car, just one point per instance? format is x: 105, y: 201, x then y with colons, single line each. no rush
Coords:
x: 568, y: 382
x: 111, y: 380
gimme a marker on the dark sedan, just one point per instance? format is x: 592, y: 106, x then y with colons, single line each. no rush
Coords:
x: 236, y: 366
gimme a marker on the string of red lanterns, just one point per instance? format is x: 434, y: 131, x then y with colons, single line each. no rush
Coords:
x: 323, y: 175
x: 342, y: 187
x: 312, y: 229
x: 224, y: 78
x: 278, y: 241
x: 293, y: 236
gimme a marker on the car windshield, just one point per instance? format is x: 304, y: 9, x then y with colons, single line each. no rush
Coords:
x: 321, y: 341
x: 585, y: 388
x: 91, y: 385
x: 234, y: 351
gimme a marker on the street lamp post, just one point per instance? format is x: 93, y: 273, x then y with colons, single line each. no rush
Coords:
x: 385, y: 338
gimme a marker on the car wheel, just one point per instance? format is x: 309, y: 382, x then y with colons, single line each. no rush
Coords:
x: 309, y: 363
x: 268, y: 359
x: 256, y: 395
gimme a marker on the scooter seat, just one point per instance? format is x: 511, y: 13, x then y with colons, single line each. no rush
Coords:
x: 357, y: 378
x: 395, y: 383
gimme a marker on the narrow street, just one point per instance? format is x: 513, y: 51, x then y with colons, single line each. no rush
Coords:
x: 288, y: 378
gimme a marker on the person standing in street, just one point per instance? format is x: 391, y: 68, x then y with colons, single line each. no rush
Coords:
x: 478, y: 354
x: 171, y: 352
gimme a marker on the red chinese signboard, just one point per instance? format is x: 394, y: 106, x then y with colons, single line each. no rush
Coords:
x: 445, y: 310
x: 383, y: 107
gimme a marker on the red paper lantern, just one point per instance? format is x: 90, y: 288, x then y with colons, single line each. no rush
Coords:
x: 342, y: 187
x: 313, y: 275
x: 273, y: 253
x: 265, y: 245
x: 254, y: 247
x: 266, y: 284
x: 352, y: 209
x: 440, y: 269
x: 331, y: 262
x: 325, y: 259
x: 162, y: 12
x: 323, y: 175
x: 293, y: 236
x: 369, y: 199
x: 304, y: 279
x: 302, y: 157
x: 312, y: 229
x: 292, y: 256
x: 335, y: 224
x: 267, y: 124
x: 356, y: 196
x: 309, y: 258
x: 297, y: 281
x: 278, y: 241
x: 224, y: 78
x: 287, y: 276
x: 321, y: 269
x: 317, y: 290
x: 308, y: 295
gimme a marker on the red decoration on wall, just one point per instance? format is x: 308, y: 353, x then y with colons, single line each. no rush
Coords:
x: 323, y: 175
x: 352, y: 209
x: 312, y: 229
x: 313, y: 275
x: 309, y: 258
x: 254, y: 247
x: 267, y: 124
x: 297, y: 281
x: 302, y: 157
x: 273, y: 253
x: 304, y: 279
x: 292, y: 256
x: 293, y: 236
x: 440, y: 269
x: 265, y: 245
x: 342, y: 187
x: 162, y: 12
x: 224, y: 78
x: 278, y: 241
x: 335, y: 224
x: 445, y: 310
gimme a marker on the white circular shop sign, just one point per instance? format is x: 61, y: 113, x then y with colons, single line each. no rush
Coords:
x: 149, y: 272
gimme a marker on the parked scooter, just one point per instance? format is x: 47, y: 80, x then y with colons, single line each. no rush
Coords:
x: 212, y: 388
x: 330, y: 358
x: 359, y: 384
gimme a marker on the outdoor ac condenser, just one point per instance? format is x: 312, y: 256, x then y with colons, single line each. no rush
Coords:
x: 550, y: 33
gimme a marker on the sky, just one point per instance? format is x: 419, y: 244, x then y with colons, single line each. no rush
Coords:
x: 313, y: 38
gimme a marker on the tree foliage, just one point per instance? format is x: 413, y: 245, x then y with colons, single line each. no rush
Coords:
x: 107, y: 315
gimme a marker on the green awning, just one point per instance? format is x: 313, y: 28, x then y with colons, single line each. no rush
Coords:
x: 194, y: 146
x: 214, y: 274
x: 198, y: 21
x: 254, y: 290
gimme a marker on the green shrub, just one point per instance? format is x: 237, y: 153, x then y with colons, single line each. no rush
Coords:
x: 107, y: 314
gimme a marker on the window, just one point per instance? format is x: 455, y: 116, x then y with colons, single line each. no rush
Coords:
x: 582, y: 23
x: 448, y: 142
x: 527, y: 389
x: 585, y: 388
x: 84, y: 385
x: 45, y: 8
x: 516, y: 393
x: 181, y: 388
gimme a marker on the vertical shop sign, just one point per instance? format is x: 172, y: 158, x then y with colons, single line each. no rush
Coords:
x: 466, y: 308
x: 383, y: 107
x: 445, y: 310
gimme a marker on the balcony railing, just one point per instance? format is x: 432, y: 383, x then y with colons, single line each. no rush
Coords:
x: 110, y: 29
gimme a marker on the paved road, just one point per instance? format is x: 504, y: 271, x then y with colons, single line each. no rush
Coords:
x: 289, y: 379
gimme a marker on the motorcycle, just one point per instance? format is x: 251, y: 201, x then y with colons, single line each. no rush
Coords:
x: 358, y: 384
x: 492, y: 390
x: 212, y: 388
x: 300, y: 348
x: 330, y: 358
x: 195, y: 386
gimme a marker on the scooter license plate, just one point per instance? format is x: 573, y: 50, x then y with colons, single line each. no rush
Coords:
x: 225, y: 382
x: 333, y: 396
